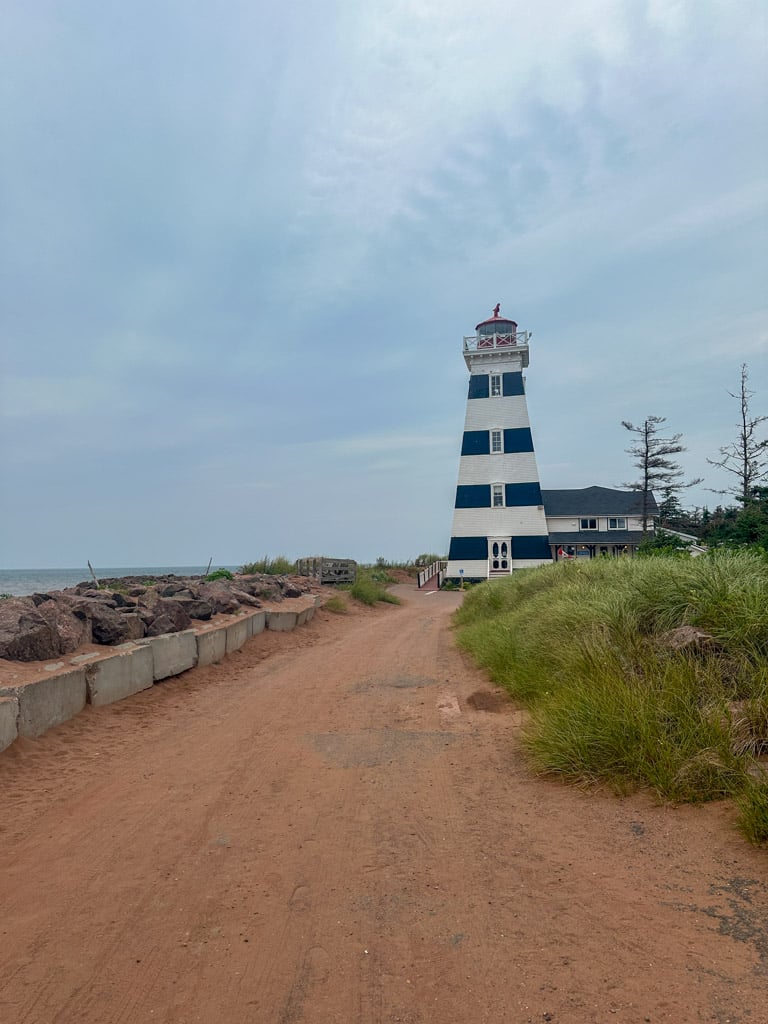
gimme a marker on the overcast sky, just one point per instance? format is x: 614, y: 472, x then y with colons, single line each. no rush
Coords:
x: 241, y: 243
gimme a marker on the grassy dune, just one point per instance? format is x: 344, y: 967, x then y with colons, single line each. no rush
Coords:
x: 619, y: 692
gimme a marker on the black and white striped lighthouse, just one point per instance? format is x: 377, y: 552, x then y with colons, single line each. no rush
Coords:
x: 498, y: 521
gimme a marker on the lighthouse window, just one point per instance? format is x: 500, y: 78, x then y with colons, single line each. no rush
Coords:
x: 495, y: 385
x: 497, y: 495
x: 496, y: 445
x: 588, y: 524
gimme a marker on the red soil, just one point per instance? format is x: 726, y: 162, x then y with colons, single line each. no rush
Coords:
x: 336, y: 826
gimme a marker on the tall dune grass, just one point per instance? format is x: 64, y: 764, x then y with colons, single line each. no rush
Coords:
x: 617, y: 692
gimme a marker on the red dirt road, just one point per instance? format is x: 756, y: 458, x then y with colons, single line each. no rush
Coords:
x: 336, y: 826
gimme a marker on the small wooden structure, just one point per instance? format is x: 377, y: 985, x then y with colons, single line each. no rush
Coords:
x: 327, y: 570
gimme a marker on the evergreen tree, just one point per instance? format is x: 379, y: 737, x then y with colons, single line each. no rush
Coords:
x: 652, y: 454
x: 746, y: 458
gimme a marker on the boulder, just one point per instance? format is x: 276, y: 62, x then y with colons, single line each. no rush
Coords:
x: 73, y: 627
x: 107, y: 625
x: 685, y: 638
x: 104, y: 596
x: 167, y: 616
x: 243, y: 597
x: 38, y: 599
x: 260, y: 586
x: 219, y: 597
x: 25, y: 634
x: 195, y: 607
x: 136, y: 628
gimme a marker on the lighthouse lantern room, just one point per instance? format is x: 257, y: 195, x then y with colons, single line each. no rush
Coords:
x: 498, y: 521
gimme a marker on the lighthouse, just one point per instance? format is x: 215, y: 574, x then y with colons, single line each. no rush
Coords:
x: 499, y: 523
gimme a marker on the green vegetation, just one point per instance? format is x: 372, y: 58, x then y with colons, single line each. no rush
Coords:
x: 279, y: 566
x: 368, y: 588
x: 427, y: 558
x: 4, y: 597
x: 736, y: 526
x: 662, y: 543
x: 219, y: 574
x: 337, y: 605
x: 648, y: 672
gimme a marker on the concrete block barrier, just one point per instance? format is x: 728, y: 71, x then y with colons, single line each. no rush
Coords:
x: 284, y: 622
x: 237, y: 634
x: 9, y: 721
x: 305, y: 615
x: 173, y: 653
x: 120, y: 676
x: 211, y: 646
x: 44, y: 703
x: 257, y: 623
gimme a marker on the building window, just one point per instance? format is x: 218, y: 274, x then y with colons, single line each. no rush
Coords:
x: 587, y: 524
x: 496, y: 442
x: 495, y: 385
x: 619, y: 523
x: 497, y: 495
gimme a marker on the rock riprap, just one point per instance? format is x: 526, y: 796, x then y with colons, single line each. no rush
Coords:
x: 45, y: 626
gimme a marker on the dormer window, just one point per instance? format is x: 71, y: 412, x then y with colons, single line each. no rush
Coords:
x: 587, y: 524
x: 617, y: 523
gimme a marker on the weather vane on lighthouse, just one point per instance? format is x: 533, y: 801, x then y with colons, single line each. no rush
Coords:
x: 497, y: 309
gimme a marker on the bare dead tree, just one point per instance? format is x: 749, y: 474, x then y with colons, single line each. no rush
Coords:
x: 746, y: 458
x: 652, y: 454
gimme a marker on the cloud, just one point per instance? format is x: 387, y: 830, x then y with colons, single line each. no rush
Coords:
x: 250, y: 245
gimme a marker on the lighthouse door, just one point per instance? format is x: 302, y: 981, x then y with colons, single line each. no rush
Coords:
x: 500, y: 556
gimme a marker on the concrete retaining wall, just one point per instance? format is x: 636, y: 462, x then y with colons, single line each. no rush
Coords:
x: 120, y: 676
x: 282, y: 621
x: 44, y: 703
x: 237, y: 634
x: 211, y: 646
x: 9, y: 718
x: 173, y: 653
x: 30, y: 708
x: 257, y: 623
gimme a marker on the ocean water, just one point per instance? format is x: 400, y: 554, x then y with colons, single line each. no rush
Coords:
x: 32, y: 581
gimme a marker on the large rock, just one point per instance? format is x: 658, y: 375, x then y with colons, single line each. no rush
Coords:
x: 260, y: 586
x: 219, y: 595
x: 195, y: 607
x: 25, y: 634
x: 168, y: 616
x: 107, y: 625
x: 72, y: 626
x: 243, y: 597
x: 136, y: 628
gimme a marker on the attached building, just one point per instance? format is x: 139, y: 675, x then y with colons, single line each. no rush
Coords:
x: 593, y: 521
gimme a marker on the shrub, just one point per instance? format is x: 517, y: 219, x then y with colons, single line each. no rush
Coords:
x: 337, y: 605
x: 369, y: 591
x: 279, y: 566
x: 219, y: 574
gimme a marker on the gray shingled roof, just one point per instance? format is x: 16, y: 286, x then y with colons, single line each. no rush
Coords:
x: 596, y: 501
